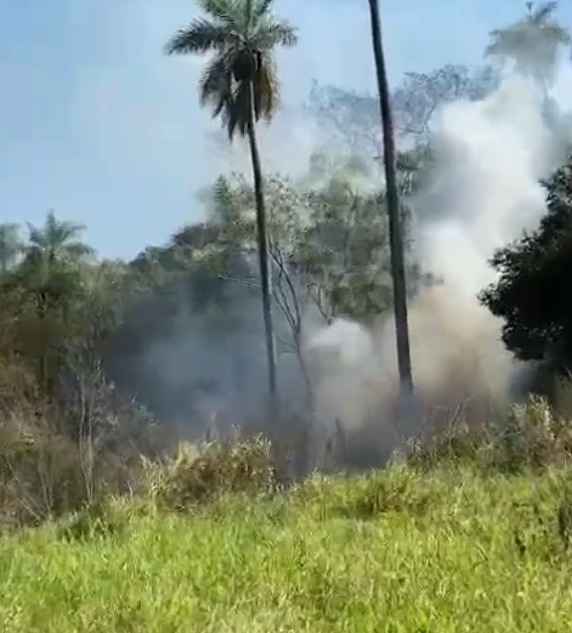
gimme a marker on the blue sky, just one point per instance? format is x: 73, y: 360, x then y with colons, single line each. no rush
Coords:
x: 98, y: 124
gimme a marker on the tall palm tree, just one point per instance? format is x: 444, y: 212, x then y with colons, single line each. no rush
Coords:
x: 532, y: 43
x: 240, y: 84
x: 393, y: 208
x: 11, y: 245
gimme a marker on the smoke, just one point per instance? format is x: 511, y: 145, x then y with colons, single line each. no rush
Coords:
x: 484, y: 189
x: 481, y: 193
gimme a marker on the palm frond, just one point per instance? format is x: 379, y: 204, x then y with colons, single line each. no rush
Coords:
x: 60, y: 230
x: 261, y: 8
x: 266, y: 89
x: 237, y: 114
x: 270, y: 34
x: 215, y: 85
x: 55, y: 239
x: 537, y: 23
x: 36, y: 236
x: 77, y: 251
x: 201, y: 36
x: 227, y: 12
x: 248, y: 16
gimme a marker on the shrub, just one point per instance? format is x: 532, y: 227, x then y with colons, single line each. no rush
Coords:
x: 106, y: 517
x: 201, y: 473
x: 533, y: 436
x: 457, y: 443
x: 40, y: 473
x: 58, y: 457
x: 397, y: 489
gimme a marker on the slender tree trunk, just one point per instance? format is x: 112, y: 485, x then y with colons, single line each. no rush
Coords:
x: 262, y: 236
x: 393, y: 208
x: 4, y: 257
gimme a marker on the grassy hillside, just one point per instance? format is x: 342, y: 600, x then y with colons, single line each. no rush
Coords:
x: 451, y: 550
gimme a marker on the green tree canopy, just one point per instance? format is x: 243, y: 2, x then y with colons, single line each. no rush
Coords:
x: 532, y: 293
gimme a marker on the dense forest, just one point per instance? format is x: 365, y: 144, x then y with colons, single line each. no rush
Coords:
x: 102, y: 361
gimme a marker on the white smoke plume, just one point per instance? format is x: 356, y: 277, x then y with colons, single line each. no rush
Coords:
x: 482, y: 193
x: 485, y: 187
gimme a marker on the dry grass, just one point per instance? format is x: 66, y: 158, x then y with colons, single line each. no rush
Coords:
x: 200, y: 473
x: 533, y: 437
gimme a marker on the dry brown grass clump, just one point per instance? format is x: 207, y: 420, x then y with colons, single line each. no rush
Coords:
x: 57, y: 458
x: 534, y: 436
x: 204, y: 472
x: 41, y: 473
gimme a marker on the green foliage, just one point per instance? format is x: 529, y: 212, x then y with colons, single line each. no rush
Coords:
x: 330, y: 237
x: 531, y: 294
x: 241, y: 35
x: 11, y: 246
x: 69, y: 319
x: 99, y: 519
x: 397, y: 490
x: 62, y: 425
x: 479, y: 552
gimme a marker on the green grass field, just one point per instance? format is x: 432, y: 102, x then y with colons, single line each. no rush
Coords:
x: 449, y: 551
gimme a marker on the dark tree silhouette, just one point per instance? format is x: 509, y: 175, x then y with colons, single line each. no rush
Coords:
x: 532, y: 293
x: 393, y: 208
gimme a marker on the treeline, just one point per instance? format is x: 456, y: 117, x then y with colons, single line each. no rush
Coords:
x: 102, y: 361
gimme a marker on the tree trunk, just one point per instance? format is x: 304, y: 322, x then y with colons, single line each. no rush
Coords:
x: 262, y: 236
x: 393, y: 208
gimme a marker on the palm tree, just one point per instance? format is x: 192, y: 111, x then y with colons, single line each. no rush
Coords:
x: 57, y: 240
x: 11, y: 245
x: 50, y: 269
x: 50, y: 278
x: 532, y: 43
x: 393, y: 208
x: 240, y: 84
